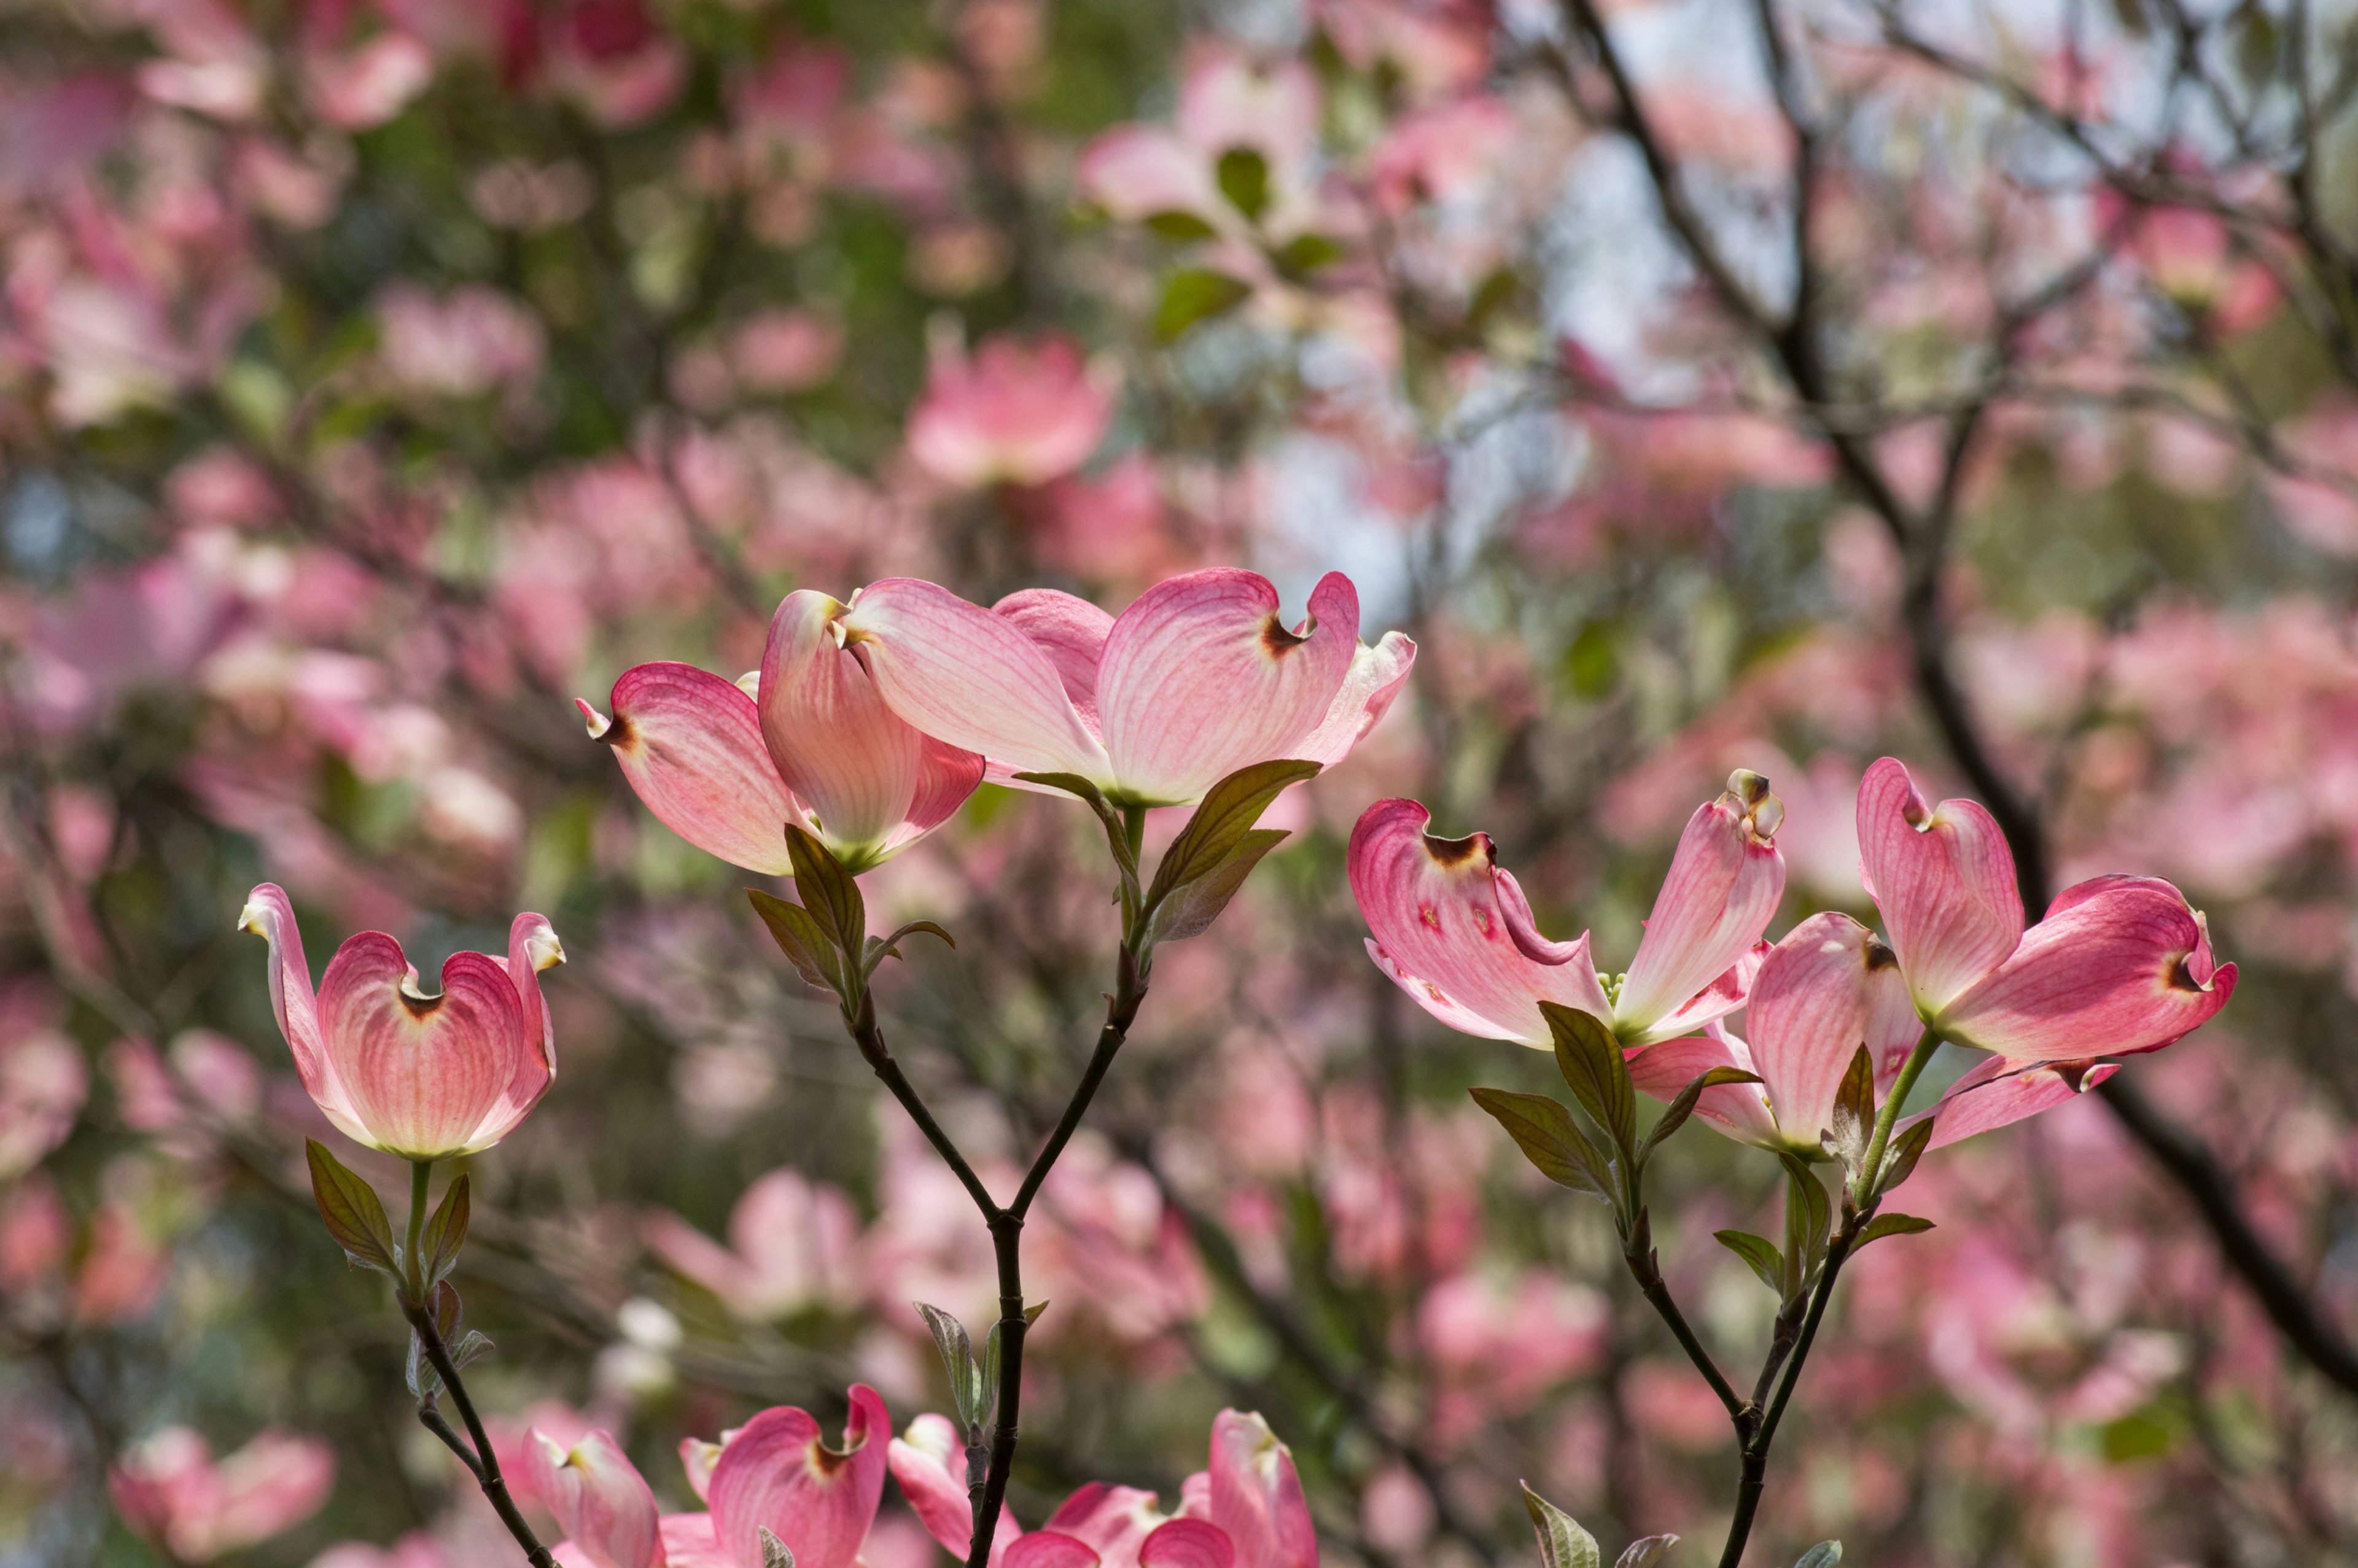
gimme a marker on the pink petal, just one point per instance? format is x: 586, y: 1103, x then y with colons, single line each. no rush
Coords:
x: 1047, y: 1548
x: 1740, y: 1110
x: 1830, y: 986
x: 1944, y: 880
x: 697, y: 1459
x: 1071, y: 631
x: 971, y: 679
x: 777, y: 1472
x: 599, y: 1498
x: 1187, y: 1544
x: 2000, y: 1091
x: 270, y: 914
x: 1720, y: 998
x: 1138, y: 171
x: 532, y: 946
x: 2120, y: 965
x: 1375, y: 677
x: 929, y: 1462
x: 1725, y: 884
x: 1455, y: 933
x: 691, y: 745
x: 1114, y: 1520
x: 1257, y: 1498
x: 1200, y: 679
x: 854, y: 764
x: 688, y: 1542
x: 423, y: 1073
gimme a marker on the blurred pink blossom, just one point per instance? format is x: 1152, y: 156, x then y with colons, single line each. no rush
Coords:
x: 168, y: 1488
x: 1022, y: 414
x: 794, y: 1244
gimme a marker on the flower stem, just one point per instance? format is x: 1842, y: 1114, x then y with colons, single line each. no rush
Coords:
x: 487, y: 1463
x: 1871, y: 1167
x: 421, y: 1172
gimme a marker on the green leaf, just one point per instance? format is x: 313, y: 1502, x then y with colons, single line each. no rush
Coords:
x: 990, y: 1349
x: 829, y: 892
x: 354, y: 1214
x: 800, y: 936
x: 1304, y: 255
x: 1543, y: 1130
x: 1185, y: 228
x: 1825, y: 1555
x: 1684, y: 1106
x: 882, y: 947
x: 1808, y: 1222
x: 447, y: 1313
x: 1591, y: 1062
x: 1563, y: 1543
x: 773, y: 1550
x: 1116, y: 831
x: 1884, y: 1225
x: 1853, y: 1125
x: 1221, y: 823
x: 1900, y: 1161
x: 1189, y: 909
x: 1645, y: 1551
x: 446, y: 1232
x: 1759, y: 1255
x: 1499, y: 291
x: 1196, y: 294
x: 969, y: 1391
x: 1244, y: 180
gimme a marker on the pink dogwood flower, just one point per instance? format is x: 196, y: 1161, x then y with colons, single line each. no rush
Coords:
x: 169, y: 1490
x: 811, y: 743
x: 1246, y: 1510
x: 1197, y: 678
x: 1012, y: 412
x: 417, y: 1076
x: 775, y: 1473
x: 1451, y: 927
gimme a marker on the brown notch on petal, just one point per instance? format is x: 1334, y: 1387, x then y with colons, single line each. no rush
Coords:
x: 2072, y: 1073
x: 1277, y: 642
x: 2180, y: 974
x: 1877, y: 954
x: 419, y: 1006
x: 619, y: 733
x: 1456, y: 851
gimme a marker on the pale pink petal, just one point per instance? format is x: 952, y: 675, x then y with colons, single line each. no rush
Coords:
x: 971, y: 679
x: 1047, y: 1548
x: 1201, y: 677
x: 532, y: 946
x: 1256, y: 1497
x: 1944, y: 880
x: 1830, y: 986
x: 929, y: 1462
x: 1725, y: 884
x: 423, y: 1073
x: 1445, y: 930
x: 690, y: 744
x: 270, y: 914
x: 1375, y: 677
x: 599, y: 1498
x: 697, y: 1458
x: 1740, y: 1110
x: 2000, y: 1092
x: 778, y: 1473
x: 1524, y: 929
x: 853, y: 763
x: 688, y: 1542
x: 2120, y: 965
x: 1072, y: 632
x: 1717, y: 1000
x: 1114, y: 1520
x: 1139, y: 171
x: 1187, y: 1544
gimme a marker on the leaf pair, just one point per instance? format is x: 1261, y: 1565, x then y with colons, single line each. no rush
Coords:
x: 1789, y: 1271
x: 974, y: 1380
x: 1852, y: 1137
x: 448, y: 1314
x: 355, y: 1217
x: 1564, y: 1544
x: 826, y: 936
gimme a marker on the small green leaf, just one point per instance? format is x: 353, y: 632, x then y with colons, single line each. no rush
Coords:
x: 1244, y: 180
x: 882, y: 947
x: 447, y: 1313
x: 1900, y: 1161
x: 1591, y: 1062
x: 1759, y: 1255
x: 1684, y: 1106
x: 1189, y: 909
x: 1543, y: 1130
x: 1503, y: 289
x: 1645, y: 1551
x: 1825, y: 1555
x: 1304, y: 255
x: 829, y: 892
x: 446, y: 1232
x: 990, y: 1349
x: 1221, y: 821
x: 800, y: 936
x: 969, y: 1391
x: 1196, y: 294
x: 1884, y: 1225
x: 354, y: 1214
x: 1563, y: 1543
x: 1185, y: 228
x: 773, y: 1550
x: 1809, y: 1223
x: 1854, y: 1113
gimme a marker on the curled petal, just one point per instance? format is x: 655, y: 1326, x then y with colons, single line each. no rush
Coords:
x: 1200, y: 677
x: 690, y: 744
x: 1114, y: 1520
x: 1456, y: 935
x: 1071, y: 631
x: 697, y: 1458
x: 1187, y: 1544
x: 426, y: 1075
x: 270, y: 914
x: 1725, y: 884
x: 863, y: 772
x: 599, y: 1497
x: 1944, y: 880
x: 971, y: 679
x: 778, y: 1473
x: 2120, y: 965
x: 1375, y: 677
x: 1830, y: 986
x: 532, y: 946
x: 1740, y: 1110
x: 1048, y: 1549
x: 1256, y: 1495
x: 2001, y: 1091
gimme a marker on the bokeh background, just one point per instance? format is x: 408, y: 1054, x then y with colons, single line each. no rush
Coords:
x: 1702, y: 382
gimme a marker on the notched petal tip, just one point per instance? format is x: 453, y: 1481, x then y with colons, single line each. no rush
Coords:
x: 1458, y: 851
x: 601, y: 727
x: 1747, y: 796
